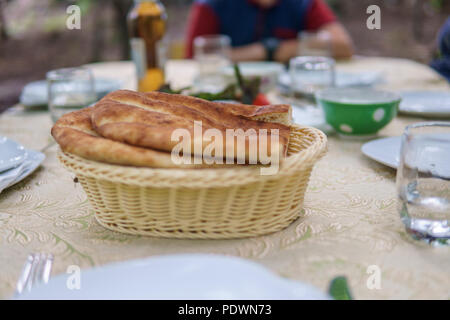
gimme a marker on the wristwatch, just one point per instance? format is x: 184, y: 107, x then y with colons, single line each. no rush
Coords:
x: 271, y: 45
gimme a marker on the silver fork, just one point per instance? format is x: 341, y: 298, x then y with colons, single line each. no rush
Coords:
x: 36, y: 269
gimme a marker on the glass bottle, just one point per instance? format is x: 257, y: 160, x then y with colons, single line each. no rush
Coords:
x: 147, y: 26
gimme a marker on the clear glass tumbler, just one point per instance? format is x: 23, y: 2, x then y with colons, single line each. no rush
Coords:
x: 311, y: 74
x: 69, y: 89
x: 212, y: 53
x: 315, y: 44
x: 423, y: 181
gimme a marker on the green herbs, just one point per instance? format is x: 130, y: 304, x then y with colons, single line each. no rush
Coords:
x: 244, y: 90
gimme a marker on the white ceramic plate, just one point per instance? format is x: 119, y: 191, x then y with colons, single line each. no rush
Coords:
x: 427, y: 104
x: 12, y: 154
x: 343, y: 79
x: 180, y: 277
x: 11, y: 177
x: 385, y: 151
x: 34, y: 94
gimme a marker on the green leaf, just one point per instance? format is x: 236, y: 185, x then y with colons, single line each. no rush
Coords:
x: 249, y: 87
x: 166, y: 88
x: 339, y: 289
x: 229, y: 93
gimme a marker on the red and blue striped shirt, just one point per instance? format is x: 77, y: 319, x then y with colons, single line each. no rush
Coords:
x: 246, y: 22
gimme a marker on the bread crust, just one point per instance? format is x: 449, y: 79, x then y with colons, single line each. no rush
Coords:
x: 74, y: 133
x: 237, y: 109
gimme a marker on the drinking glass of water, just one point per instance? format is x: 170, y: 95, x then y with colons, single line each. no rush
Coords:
x: 311, y: 74
x: 423, y: 181
x: 315, y: 44
x: 69, y: 89
x: 212, y: 53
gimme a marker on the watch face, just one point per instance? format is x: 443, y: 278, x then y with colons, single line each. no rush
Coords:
x: 272, y: 43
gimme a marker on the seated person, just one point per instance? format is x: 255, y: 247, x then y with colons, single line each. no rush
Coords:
x: 266, y: 29
x: 442, y: 64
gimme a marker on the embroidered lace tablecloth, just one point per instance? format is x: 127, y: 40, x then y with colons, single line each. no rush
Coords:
x: 351, y: 220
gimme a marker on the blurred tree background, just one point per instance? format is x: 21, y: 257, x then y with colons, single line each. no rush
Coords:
x: 34, y: 37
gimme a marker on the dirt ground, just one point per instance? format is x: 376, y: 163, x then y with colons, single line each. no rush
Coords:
x: 29, y: 57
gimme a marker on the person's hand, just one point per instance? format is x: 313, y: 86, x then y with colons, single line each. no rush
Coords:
x: 287, y: 50
x: 254, y: 51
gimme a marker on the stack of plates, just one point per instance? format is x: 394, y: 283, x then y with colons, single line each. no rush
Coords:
x: 16, y: 162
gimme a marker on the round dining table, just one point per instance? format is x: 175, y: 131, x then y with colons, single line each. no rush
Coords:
x: 349, y: 226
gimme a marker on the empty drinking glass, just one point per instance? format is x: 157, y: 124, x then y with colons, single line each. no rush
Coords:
x: 69, y: 89
x: 315, y: 44
x: 212, y: 52
x: 423, y: 181
x: 311, y: 74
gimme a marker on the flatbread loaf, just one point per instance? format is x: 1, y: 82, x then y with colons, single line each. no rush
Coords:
x: 132, y: 118
x: 134, y: 129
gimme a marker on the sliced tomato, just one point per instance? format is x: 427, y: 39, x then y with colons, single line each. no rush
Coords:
x: 261, y: 100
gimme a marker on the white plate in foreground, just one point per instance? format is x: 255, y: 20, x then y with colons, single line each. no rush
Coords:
x: 11, y: 154
x: 183, y: 277
x: 429, y: 104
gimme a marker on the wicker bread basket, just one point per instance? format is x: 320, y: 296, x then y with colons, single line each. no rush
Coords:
x: 203, y: 203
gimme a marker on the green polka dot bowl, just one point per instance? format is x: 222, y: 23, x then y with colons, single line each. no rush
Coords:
x: 358, y: 113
